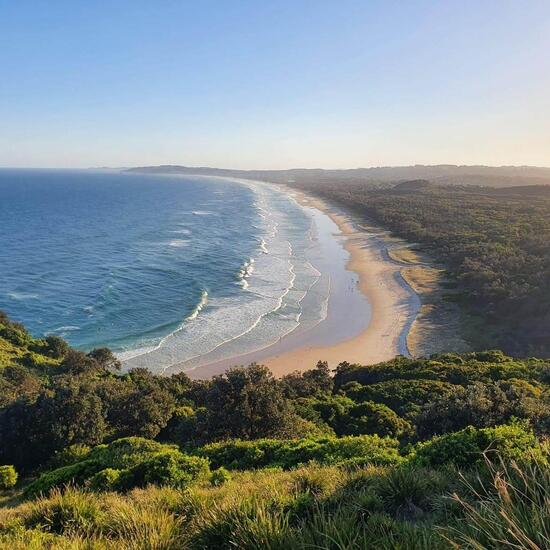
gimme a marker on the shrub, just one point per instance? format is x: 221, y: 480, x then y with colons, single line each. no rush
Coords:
x: 373, y: 418
x: 138, y: 462
x: 70, y: 455
x: 482, y: 405
x: 289, y: 453
x: 108, y: 479
x: 56, y: 347
x: 467, y: 447
x: 8, y: 477
x: 219, y: 477
x: 405, y: 397
x: 127, y: 452
x: 170, y: 468
x: 75, y: 474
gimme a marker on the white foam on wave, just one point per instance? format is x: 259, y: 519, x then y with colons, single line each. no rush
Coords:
x: 202, y: 213
x: 199, y: 306
x: 22, y: 296
x: 181, y: 231
x: 179, y: 243
x: 63, y: 330
x: 249, y: 329
x: 245, y: 270
x: 258, y: 334
x: 145, y: 350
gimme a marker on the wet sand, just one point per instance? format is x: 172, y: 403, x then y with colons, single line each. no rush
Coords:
x: 390, y: 313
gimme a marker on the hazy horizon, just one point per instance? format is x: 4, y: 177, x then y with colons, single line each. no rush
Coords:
x: 270, y: 169
x: 275, y: 86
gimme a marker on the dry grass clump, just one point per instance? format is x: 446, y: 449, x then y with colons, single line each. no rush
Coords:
x: 509, y: 508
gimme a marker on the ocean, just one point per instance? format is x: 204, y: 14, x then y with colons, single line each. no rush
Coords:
x: 163, y: 270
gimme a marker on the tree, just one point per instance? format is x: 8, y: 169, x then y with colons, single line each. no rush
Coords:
x: 73, y: 414
x: 20, y: 436
x: 184, y: 426
x: 137, y: 405
x: 105, y: 358
x: 69, y: 413
x: 247, y: 402
x: 314, y: 382
x: 76, y: 362
x: 56, y: 347
x: 482, y: 405
x: 370, y: 418
x: 18, y: 382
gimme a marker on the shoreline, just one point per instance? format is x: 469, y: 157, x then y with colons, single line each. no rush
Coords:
x: 394, y: 304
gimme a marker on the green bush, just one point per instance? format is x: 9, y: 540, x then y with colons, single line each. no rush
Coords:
x: 124, y: 464
x: 8, y: 477
x: 405, y: 397
x: 289, y: 453
x: 219, y: 477
x: 70, y: 455
x: 468, y: 446
x: 55, y: 347
x: 74, y: 474
x: 127, y: 452
x: 170, y: 468
x: 108, y: 479
x: 373, y: 418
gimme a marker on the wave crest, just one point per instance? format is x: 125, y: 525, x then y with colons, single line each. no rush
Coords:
x: 199, y: 306
x: 244, y: 272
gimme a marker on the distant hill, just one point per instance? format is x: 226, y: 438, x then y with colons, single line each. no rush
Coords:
x: 444, y: 174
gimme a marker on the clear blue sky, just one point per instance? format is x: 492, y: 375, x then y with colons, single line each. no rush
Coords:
x: 274, y: 84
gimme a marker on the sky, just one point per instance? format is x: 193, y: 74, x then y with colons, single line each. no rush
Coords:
x: 275, y: 83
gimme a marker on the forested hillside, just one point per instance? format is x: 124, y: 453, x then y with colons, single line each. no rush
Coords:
x: 363, y: 457
x: 497, y: 176
x: 494, y: 243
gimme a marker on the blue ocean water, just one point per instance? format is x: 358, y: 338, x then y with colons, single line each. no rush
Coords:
x: 166, y: 271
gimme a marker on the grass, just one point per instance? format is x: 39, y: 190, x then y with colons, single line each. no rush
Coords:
x: 326, y: 508
x: 509, y: 509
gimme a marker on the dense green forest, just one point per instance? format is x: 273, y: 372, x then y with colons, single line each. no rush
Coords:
x: 442, y: 452
x: 494, y: 243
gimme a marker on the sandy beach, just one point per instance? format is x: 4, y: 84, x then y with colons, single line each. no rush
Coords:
x: 394, y: 305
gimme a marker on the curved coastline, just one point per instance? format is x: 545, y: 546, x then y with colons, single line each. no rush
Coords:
x: 394, y: 306
x: 367, y: 322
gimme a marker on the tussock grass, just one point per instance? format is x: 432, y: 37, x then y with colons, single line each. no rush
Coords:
x: 503, y: 505
x: 509, y: 508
